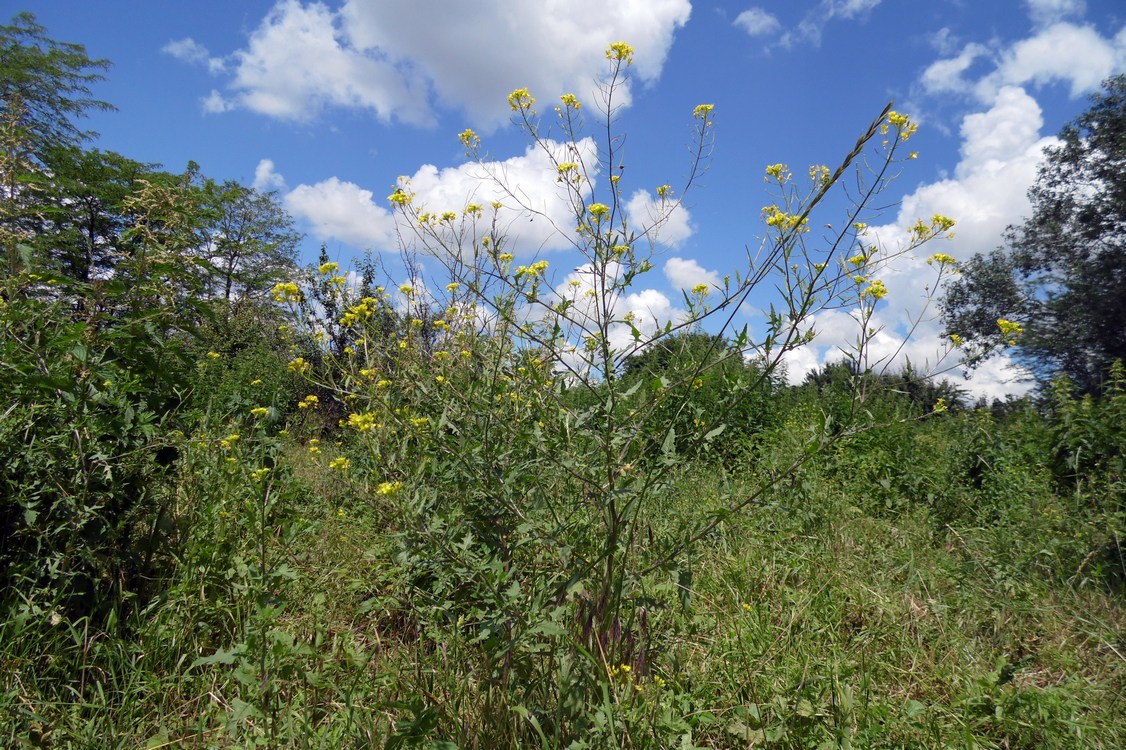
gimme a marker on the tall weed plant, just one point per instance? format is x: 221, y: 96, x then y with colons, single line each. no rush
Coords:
x: 494, y: 423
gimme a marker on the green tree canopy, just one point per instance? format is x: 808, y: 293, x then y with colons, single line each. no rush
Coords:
x: 1062, y: 273
x: 47, y: 83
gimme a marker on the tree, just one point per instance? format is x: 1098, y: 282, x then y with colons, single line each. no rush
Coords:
x: 1062, y: 276
x: 248, y: 240
x: 44, y: 88
x: 47, y: 83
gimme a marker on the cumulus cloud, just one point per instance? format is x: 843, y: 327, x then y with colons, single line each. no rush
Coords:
x: 947, y: 75
x: 296, y: 64
x: 1058, y: 53
x: 340, y: 210
x: 190, y: 51
x: 757, y: 22
x: 1063, y: 52
x: 266, y: 177
x: 685, y: 273
x: 660, y: 222
x: 399, y: 60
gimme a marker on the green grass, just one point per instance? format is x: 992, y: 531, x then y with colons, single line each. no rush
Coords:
x: 817, y: 620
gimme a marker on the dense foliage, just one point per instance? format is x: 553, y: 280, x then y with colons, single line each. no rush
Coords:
x: 249, y: 505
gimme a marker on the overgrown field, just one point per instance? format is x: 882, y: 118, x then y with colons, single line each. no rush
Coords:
x: 490, y: 504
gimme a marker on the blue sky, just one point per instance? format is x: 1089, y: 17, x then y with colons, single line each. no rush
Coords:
x: 328, y: 103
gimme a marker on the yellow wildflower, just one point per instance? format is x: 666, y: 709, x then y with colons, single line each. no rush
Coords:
x: 620, y: 52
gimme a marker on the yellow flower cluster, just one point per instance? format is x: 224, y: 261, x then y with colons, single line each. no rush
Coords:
x: 362, y: 310
x: 942, y: 259
x: 327, y: 268
x: 300, y: 366
x: 535, y: 270
x: 308, y: 402
x: 314, y: 446
x: 939, y: 223
x: 383, y: 383
x: 521, y: 101
x: 820, y: 173
x: 213, y: 355
x: 227, y: 442
x: 876, y: 290
x: 701, y: 289
x: 260, y: 411
x: 570, y: 101
x: 468, y: 138
x: 702, y: 111
x: 388, y: 488
x: 598, y: 210
x: 399, y: 197
x: 664, y: 191
x: 1010, y: 330
x: 259, y: 474
x: 956, y: 340
x: 778, y: 171
x: 362, y: 422
x: 620, y: 52
x: 776, y: 217
x: 900, y: 122
x: 286, y: 291
x: 340, y: 464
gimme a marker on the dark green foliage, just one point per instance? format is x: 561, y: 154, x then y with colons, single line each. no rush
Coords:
x: 698, y: 383
x: 91, y: 400
x: 1063, y: 274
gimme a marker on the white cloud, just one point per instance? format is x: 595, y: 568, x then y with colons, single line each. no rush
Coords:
x: 266, y: 178
x: 685, y: 273
x: 536, y: 214
x: 757, y: 22
x: 392, y: 59
x: 344, y: 211
x: 214, y: 103
x: 296, y: 64
x: 1045, y: 12
x: 1078, y: 55
x: 660, y: 222
x: 190, y: 51
x: 947, y: 75
x: 813, y: 24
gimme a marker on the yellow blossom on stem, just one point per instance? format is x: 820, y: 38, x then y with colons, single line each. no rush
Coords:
x: 520, y: 100
x: 260, y: 411
x: 570, y: 101
x: 702, y: 111
x: 327, y: 268
x: 468, y: 138
x: 340, y: 464
x: 598, y: 210
x: 388, y: 488
x: 620, y: 52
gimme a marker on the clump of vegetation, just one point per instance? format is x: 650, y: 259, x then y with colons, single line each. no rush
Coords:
x: 250, y: 505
